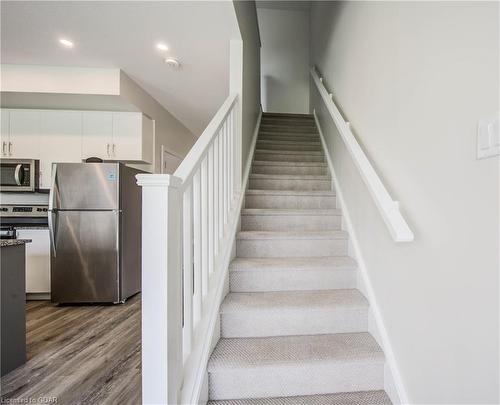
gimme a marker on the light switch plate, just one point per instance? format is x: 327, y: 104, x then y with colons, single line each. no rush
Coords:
x: 488, y: 138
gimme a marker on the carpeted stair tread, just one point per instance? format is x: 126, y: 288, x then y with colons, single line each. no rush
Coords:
x: 343, y: 398
x: 285, y: 212
x: 309, y: 235
x: 294, y: 351
x: 293, y: 300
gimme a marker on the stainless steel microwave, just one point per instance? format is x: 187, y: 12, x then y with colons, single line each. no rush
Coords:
x: 19, y: 174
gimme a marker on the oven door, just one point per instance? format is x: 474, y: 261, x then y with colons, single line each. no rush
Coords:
x: 18, y: 175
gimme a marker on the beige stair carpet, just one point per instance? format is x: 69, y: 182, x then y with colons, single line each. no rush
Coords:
x: 294, y: 328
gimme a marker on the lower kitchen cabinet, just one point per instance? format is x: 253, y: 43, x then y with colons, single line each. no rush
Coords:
x: 12, y: 308
x: 37, y: 261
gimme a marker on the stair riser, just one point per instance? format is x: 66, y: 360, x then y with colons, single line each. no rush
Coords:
x: 288, y: 138
x: 299, y: 157
x: 289, y: 184
x: 280, y: 121
x: 287, y: 146
x: 277, y: 169
x: 287, y: 116
x: 290, y: 222
x: 291, y: 247
x: 289, y: 201
x: 288, y: 129
x: 310, y: 136
x: 291, y: 280
x: 293, y: 380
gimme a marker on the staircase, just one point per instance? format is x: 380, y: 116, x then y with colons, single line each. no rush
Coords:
x: 293, y: 326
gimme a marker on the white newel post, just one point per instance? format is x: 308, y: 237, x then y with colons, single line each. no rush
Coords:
x: 161, y: 288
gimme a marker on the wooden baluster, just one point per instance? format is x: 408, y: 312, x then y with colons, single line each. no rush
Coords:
x: 204, y: 226
x: 225, y: 154
x: 197, y: 248
x: 187, y: 269
x: 221, y: 185
x: 231, y: 158
x: 211, y: 209
x: 216, y: 195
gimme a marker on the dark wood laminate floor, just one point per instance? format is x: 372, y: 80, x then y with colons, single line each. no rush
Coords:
x: 80, y: 355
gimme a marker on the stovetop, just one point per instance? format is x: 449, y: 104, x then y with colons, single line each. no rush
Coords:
x: 17, y: 215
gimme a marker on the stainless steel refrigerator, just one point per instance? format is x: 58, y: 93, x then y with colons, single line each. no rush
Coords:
x: 95, y: 232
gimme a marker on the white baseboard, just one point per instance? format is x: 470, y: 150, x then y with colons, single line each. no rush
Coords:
x: 393, y: 384
x: 202, y: 394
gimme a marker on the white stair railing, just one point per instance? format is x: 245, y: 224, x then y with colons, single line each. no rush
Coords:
x: 186, y: 248
x: 388, y: 208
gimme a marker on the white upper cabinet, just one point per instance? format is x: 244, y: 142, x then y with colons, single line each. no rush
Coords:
x: 54, y: 136
x: 60, y: 141
x: 24, y: 134
x: 132, y: 137
x: 122, y: 136
x: 97, y: 136
x: 4, y: 133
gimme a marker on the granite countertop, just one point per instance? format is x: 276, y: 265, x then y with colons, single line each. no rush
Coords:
x: 13, y: 242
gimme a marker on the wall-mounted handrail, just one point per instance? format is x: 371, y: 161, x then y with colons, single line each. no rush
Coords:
x: 188, y: 220
x: 388, y: 208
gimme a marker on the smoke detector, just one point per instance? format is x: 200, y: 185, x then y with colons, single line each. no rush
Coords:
x: 172, y: 63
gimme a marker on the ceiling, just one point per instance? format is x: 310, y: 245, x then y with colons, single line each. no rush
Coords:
x: 123, y: 34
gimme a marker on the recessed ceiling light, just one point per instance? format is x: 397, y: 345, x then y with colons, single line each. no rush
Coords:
x: 173, y: 63
x: 66, y: 42
x: 161, y: 46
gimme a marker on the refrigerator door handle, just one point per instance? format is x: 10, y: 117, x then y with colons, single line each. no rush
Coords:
x: 52, y: 193
x: 52, y: 210
x: 52, y: 232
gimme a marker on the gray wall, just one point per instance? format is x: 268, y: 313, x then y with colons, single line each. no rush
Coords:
x: 414, y: 78
x: 247, y: 21
x: 169, y: 131
x: 284, y: 60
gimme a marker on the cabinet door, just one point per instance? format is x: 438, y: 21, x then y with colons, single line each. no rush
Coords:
x: 97, y: 138
x: 127, y: 136
x: 25, y: 134
x: 37, y: 260
x: 148, y: 140
x: 62, y: 142
x: 4, y: 133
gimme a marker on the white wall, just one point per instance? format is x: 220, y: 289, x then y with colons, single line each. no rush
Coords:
x: 284, y: 60
x: 169, y: 131
x: 247, y: 21
x: 413, y: 78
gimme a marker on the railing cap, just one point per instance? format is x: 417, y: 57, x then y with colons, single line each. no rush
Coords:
x: 158, y: 180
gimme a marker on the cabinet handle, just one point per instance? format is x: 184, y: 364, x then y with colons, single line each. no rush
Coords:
x: 4, y: 144
x: 10, y: 146
x: 107, y: 149
x: 114, y: 149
